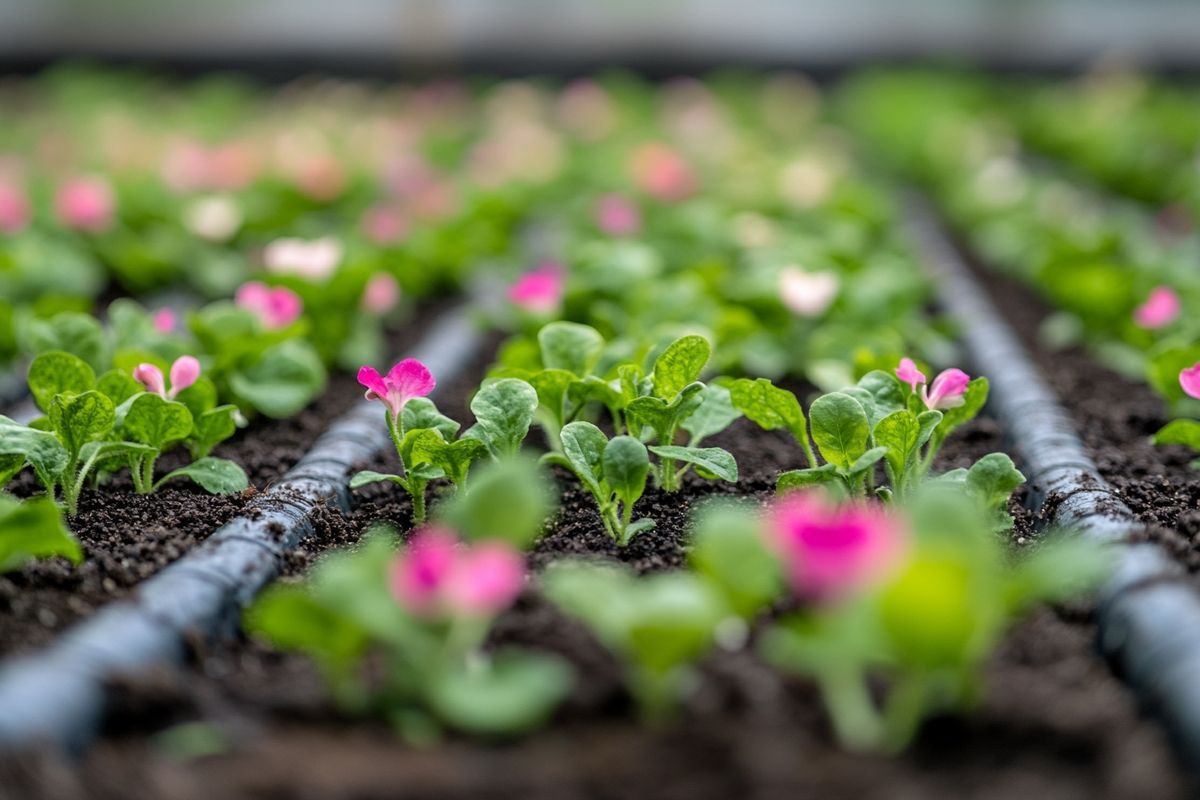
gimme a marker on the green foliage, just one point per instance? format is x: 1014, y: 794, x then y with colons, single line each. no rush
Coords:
x: 31, y: 529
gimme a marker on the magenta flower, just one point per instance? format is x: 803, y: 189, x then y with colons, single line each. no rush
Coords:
x: 1189, y: 379
x: 184, y: 373
x: 405, y: 380
x: 830, y: 551
x: 616, y: 215
x: 381, y: 294
x: 1160, y: 309
x: 164, y: 320
x: 85, y: 204
x: 436, y: 576
x: 275, y: 307
x: 946, y: 391
x: 384, y: 225
x: 14, y: 208
x: 908, y: 373
x: 540, y: 290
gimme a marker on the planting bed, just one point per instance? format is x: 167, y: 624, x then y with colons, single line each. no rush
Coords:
x: 832, y: 583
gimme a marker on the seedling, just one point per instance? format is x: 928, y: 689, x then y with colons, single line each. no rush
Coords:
x: 1184, y: 431
x: 99, y: 426
x: 31, y: 529
x: 426, y: 610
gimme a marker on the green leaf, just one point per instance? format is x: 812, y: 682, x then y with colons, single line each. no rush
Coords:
x: 840, y: 428
x: 455, y: 458
x: 214, y: 475
x: 768, y: 406
x: 200, y: 397
x: 118, y: 386
x: 420, y: 412
x: 800, y: 478
x: 504, y: 410
x: 285, y: 379
x: 514, y: 691
x: 291, y: 618
x: 366, y: 476
x: 40, y: 449
x: 898, y: 433
x: 993, y: 479
x: 552, y: 386
x: 729, y: 549
x: 82, y: 418
x: 974, y: 400
x: 680, y: 364
x: 571, y: 347
x: 1180, y: 431
x: 55, y: 372
x: 583, y: 446
x: 32, y: 529
x: 713, y: 460
x: 508, y: 500
x: 866, y: 460
x: 1163, y: 367
x: 714, y: 414
x: 73, y: 332
x: 626, y: 465
x: 156, y: 421
x: 886, y: 393
x: 213, y: 427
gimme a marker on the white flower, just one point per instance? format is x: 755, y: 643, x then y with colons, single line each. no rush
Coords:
x: 807, y: 294
x: 215, y: 218
x: 313, y: 260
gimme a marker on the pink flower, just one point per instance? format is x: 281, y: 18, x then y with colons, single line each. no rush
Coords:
x: 540, y: 290
x: 908, y: 373
x: 663, y: 173
x: 312, y: 260
x: 275, y: 307
x: 807, y: 294
x: 616, y: 215
x: 85, y: 204
x: 14, y: 208
x: 830, y: 551
x: 437, y: 576
x: 946, y: 391
x: 165, y: 320
x: 405, y: 380
x: 384, y: 225
x: 1160, y: 309
x: 1189, y: 379
x: 381, y: 294
x: 184, y: 373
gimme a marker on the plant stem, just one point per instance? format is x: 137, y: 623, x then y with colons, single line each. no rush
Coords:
x: 855, y: 718
x: 418, y: 501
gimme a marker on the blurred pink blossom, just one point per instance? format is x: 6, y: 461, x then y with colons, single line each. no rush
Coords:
x: 384, y: 224
x: 164, y: 320
x: 1160, y: 309
x: 616, y: 215
x: 437, y: 576
x: 276, y: 307
x: 85, y: 204
x: 1189, y: 379
x: 381, y: 294
x: 662, y: 173
x: 15, y: 212
x: 184, y: 373
x: 539, y: 291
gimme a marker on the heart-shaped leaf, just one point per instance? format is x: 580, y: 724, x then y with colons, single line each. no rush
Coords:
x: 156, y: 421
x: 503, y: 410
x: 55, y: 372
x: 680, y: 364
x: 215, y: 475
x: 840, y: 428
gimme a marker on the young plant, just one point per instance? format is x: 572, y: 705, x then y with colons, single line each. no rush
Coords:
x: 876, y: 420
x: 920, y: 600
x: 426, y: 611
x: 425, y: 438
x: 1184, y: 431
x: 31, y: 529
x: 613, y: 470
x: 101, y: 425
x: 659, y: 625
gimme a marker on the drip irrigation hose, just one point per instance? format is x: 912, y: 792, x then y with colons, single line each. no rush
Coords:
x: 1148, y: 612
x: 56, y: 696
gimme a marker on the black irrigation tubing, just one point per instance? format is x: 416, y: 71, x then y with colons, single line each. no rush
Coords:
x: 1148, y: 612
x: 57, y: 696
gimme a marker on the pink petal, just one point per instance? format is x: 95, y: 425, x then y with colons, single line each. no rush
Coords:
x: 283, y: 308
x: 184, y: 373
x: 1189, y: 379
x: 370, y: 378
x: 540, y: 290
x: 830, y: 551
x: 380, y: 294
x: 1160, y: 309
x: 85, y: 204
x: 617, y: 216
x: 908, y: 373
x: 164, y: 320
x: 486, y: 580
x: 947, y: 389
x: 408, y: 379
x: 419, y: 574
x: 663, y: 173
x: 151, y: 377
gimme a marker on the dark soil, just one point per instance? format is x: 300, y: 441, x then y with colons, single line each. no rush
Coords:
x: 1116, y: 418
x: 128, y: 537
x: 1054, y: 724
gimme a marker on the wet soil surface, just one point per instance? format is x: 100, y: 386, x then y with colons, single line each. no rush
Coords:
x: 1116, y: 418
x: 1054, y: 723
x: 128, y: 537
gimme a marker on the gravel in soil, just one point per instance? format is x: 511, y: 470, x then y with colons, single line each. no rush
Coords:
x: 1054, y: 724
x: 128, y: 537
